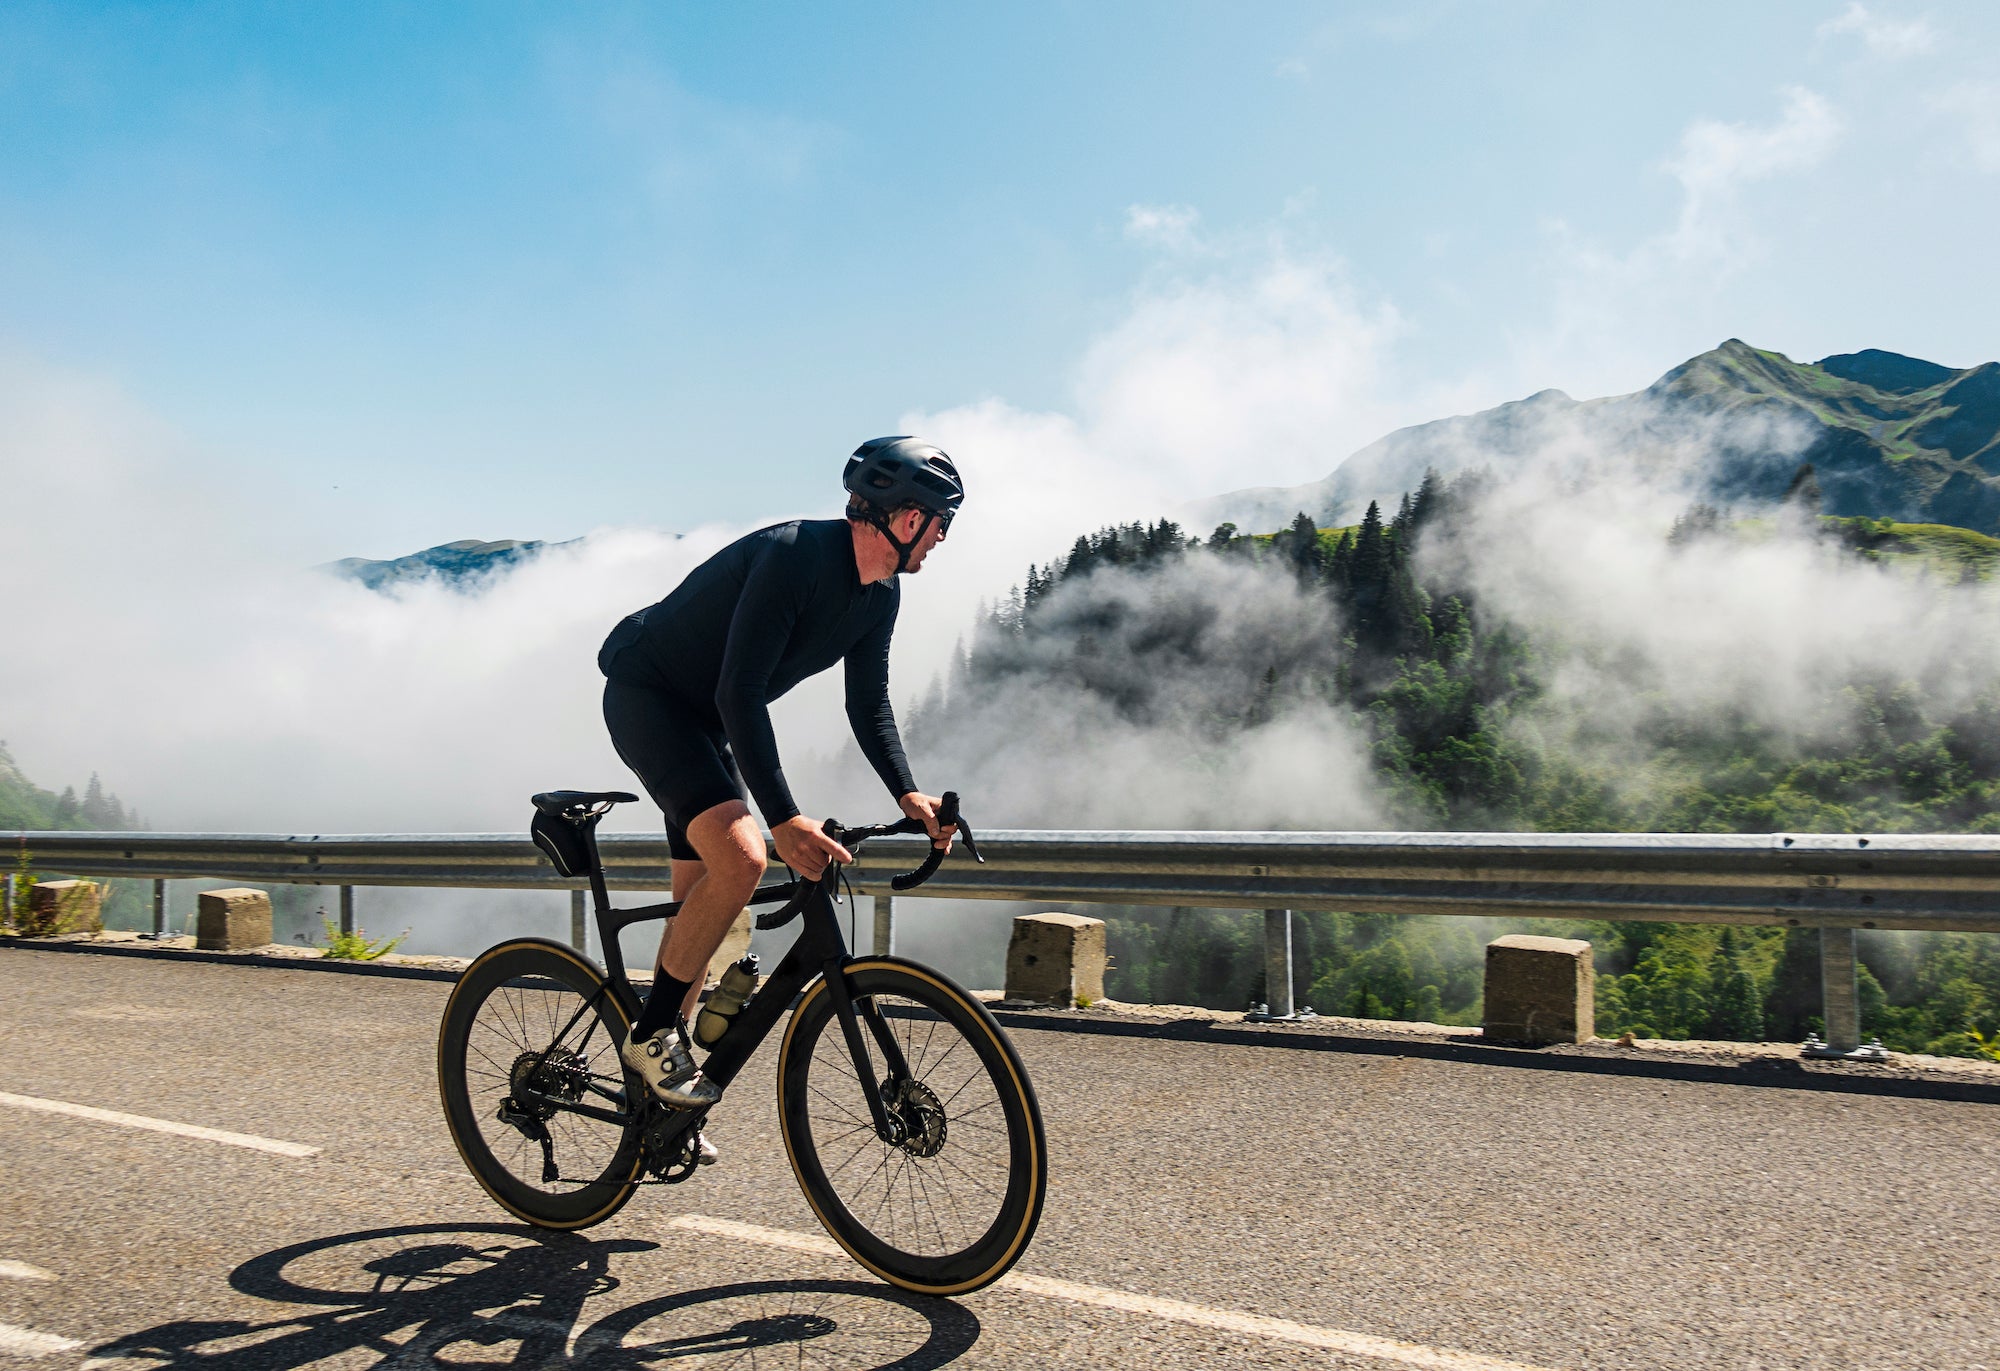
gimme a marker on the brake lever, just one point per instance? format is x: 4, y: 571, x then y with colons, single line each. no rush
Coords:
x: 949, y: 817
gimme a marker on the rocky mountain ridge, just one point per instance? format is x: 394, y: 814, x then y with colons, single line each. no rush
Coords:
x: 1890, y: 436
x: 460, y: 563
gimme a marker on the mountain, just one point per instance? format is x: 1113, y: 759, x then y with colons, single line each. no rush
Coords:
x: 1889, y: 436
x: 457, y: 563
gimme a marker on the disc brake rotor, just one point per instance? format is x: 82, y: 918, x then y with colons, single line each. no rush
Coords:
x: 921, y: 1113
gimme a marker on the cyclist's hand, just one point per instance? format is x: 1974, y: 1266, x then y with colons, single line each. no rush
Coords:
x: 924, y: 809
x: 804, y: 847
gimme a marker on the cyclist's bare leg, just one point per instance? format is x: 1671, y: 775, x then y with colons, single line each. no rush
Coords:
x: 715, y: 891
x: 687, y: 874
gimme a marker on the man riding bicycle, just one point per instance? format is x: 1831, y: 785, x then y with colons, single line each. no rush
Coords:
x: 688, y: 686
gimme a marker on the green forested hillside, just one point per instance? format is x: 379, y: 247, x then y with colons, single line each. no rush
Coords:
x: 25, y: 805
x: 1449, y: 698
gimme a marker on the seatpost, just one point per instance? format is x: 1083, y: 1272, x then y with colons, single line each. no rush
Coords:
x: 598, y: 890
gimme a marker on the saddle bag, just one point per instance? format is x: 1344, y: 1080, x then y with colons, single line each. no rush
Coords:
x: 564, y: 843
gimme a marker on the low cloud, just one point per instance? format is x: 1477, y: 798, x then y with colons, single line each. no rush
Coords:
x: 1881, y: 35
x: 166, y: 636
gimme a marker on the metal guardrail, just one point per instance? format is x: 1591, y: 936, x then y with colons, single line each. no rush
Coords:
x: 1836, y: 883
x: 1811, y: 880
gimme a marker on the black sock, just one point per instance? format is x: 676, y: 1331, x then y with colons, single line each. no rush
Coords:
x: 663, y: 1005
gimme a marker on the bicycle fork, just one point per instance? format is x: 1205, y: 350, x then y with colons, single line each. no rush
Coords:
x: 889, y: 1125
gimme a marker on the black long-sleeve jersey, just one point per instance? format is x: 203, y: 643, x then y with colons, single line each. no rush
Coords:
x: 751, y: 622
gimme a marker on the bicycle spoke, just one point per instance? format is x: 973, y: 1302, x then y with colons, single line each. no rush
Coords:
x: 932, y: 1206
x: 516, y: 1021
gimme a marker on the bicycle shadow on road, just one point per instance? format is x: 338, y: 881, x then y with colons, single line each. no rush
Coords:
x: 504, y: 1295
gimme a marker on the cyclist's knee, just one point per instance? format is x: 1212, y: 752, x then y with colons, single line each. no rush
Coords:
x: 731, y: 847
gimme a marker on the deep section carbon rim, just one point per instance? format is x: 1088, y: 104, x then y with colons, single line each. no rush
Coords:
x: 514, y: 1050
x: 950, y: 1203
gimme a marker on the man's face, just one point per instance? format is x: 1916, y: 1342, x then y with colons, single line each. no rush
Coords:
x: 906, y: 525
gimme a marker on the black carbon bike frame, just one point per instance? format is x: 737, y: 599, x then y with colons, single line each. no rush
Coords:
x: 820, y: 950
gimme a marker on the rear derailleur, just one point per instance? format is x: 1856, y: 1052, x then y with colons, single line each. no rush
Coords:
x: 531, y: 1127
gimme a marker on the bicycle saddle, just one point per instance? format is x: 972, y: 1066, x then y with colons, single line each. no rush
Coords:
x: 560, y: 802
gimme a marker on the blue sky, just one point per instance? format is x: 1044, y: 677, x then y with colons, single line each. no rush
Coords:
x: 428, y: 271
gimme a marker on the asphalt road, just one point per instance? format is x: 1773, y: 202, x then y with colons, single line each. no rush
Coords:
x: 1553, y: 1219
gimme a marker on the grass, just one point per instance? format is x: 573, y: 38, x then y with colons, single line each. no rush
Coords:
x: 355, y: 947
x: 1957, y: 553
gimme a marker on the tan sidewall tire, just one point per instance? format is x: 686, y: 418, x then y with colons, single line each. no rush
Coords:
x: 1015, y: 1079
x: 472, y: 977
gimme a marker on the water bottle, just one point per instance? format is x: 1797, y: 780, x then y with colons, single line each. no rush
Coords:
x: 719, y: 1010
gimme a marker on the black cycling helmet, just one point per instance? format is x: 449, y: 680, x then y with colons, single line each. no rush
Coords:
x: 895, y: 473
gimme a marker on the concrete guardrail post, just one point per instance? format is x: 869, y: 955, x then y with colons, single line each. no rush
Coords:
x: 1839, y: 994
x: 347, y: 909
x: 1056, y: 959
x: 231, y: 920
x: 885, y: 925
x: 68, y: 906
x: 159, y: 909
x: 579, y: 927
x: 1540, y: 990
x: 1278, y: 963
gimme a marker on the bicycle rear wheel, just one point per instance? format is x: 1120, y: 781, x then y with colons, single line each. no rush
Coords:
x: 950, y: 1207
x: 512, y: 1050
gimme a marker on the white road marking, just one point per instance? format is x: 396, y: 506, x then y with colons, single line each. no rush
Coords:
x: 185, y: 1130
x: 1174, y: 1311
x: 21, y: 1271
x: 26, y: 1342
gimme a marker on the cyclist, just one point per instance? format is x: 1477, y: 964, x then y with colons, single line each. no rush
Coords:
x: 688, y: 686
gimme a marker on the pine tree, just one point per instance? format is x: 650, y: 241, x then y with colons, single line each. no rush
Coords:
x: 1371, y: 553
x: 1080, y: 561
x: 1369, y: 576
x: 1302, y: 547
x: 1735, y: 1015
x: 1400, y: 525
x: 1696, y: 521
x: 1792, y: 1005
x: 1424, y: 507
x: 1405, y: 625
x: 1340, y: 565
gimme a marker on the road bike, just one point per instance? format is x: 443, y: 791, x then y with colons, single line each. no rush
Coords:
x: 906, y: 1113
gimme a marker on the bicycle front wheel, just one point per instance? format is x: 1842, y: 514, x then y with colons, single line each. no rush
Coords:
x: 952, y: 1205
x: 530, y: 1038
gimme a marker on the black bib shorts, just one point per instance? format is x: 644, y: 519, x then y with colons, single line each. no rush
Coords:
x: 683, y: 763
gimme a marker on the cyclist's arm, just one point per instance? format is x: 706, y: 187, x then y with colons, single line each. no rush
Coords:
x: 868, y: 709
x: 779, y: 583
